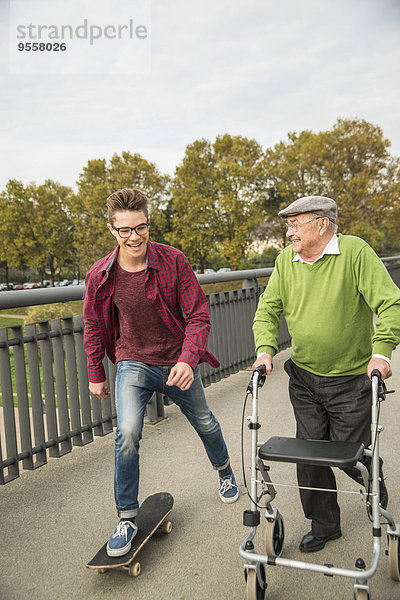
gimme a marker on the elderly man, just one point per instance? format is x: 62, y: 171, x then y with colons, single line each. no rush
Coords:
x: 328, y: 286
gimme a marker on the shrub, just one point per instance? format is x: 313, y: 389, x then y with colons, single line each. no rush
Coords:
x: 46, y: 312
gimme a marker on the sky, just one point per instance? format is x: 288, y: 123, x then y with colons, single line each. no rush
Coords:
x: 256, y: 68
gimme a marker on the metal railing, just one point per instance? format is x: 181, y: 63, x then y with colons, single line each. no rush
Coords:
x: 46, y: 405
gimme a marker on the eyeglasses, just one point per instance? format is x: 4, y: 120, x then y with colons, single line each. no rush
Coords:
x: 296, y: 226
x: 126, y: 232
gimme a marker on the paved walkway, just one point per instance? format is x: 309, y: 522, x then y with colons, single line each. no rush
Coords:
x: 54, y: 519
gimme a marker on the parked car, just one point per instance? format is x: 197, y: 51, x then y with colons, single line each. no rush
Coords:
x: 64, y: 282
x: 31, y: 286
x: 224, y: 270
x: 209, y: 271
x: 77, y: 282
x: 18, y: 286
x: 4, y: 287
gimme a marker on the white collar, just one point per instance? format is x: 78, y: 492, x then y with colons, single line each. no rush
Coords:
x: 332, y: 247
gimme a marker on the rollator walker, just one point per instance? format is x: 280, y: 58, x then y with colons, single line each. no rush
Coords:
x: 312, y: 452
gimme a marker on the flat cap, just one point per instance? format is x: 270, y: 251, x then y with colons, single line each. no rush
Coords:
x: 318, y: 205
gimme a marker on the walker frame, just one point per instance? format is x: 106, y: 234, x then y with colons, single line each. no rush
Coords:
x: 334, y: 454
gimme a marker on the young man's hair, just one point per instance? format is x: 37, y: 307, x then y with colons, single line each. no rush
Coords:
x: 126, y: 199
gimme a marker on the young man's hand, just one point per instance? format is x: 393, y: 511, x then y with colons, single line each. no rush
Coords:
x: 100, y: 390
x: 265, y: 359
x: 181, y: 375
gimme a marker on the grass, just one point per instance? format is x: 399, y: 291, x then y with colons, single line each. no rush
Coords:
x: 10, y: 321
x: 227, y: 286
x: 15, y: 311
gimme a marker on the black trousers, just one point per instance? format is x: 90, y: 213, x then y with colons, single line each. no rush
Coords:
x: 328, y: 408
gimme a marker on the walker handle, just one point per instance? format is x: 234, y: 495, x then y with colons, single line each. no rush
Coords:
x: 261, y: 369
x: 378, y: 374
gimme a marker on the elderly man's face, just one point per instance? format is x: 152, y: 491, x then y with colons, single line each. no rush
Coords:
x: 303, y: 232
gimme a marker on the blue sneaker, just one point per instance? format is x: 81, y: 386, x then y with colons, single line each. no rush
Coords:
x: 228, y: 489
x: 121, y: 540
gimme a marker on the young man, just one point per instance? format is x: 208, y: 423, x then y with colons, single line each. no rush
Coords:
x: 328, y: 287
x: 145, y: 308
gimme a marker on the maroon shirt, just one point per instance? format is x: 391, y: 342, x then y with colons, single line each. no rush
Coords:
x: 143, y: 335
x: 172, y: 288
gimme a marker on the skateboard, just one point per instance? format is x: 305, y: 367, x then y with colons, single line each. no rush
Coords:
x: 151, y: 517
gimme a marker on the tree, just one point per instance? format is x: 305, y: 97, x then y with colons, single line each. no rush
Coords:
x: 89, y: 215
x: 355, y: 158
x: 193, y: 202
x: 19, y: 244
x: 349, y: 163
x: 35, y: 228
x: 392, y: 216
x: 96, y: 182
x: 241, y: 193
x: 218, y: 193
x: 52, y: 228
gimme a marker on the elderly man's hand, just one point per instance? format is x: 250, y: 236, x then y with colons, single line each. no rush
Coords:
x: 382, y: 365
x: 264, y: 359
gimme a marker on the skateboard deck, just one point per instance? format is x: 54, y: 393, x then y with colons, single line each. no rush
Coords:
x: 151, y: 516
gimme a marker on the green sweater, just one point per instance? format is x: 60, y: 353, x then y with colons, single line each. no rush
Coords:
x: 329, y: 308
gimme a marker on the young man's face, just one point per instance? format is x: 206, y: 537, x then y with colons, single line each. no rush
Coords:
x: 134, y: 247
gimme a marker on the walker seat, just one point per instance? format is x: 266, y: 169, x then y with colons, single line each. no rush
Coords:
x: 311, y: 452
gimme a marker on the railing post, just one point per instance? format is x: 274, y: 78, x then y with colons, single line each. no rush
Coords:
x: 32, y: 351
x: 108, y: 405
x: 155, y: 411
x: 8, y: 408
x: 72, y: 380
x: 48, y: 388
x: 84, y: 394
x: 22, y: 396
x: 61, y: 387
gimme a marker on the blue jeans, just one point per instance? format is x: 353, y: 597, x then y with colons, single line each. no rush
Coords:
x: 134, y: 386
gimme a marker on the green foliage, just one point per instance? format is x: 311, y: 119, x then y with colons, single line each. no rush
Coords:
x: 18, y: 242
x: 193, y: 203
x: 224, y: 196
x: 53, y: 228
x: 260, y: 260
x: 10, y: 321
x: 96, y: 182
x: 35, y: 227
x: 349, y: 163
x: 217, y: 196
x: 46, y: 312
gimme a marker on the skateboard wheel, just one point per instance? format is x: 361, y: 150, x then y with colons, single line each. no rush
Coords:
x: 134, y: 569
x: 102, y: 571
x: 166, y: 527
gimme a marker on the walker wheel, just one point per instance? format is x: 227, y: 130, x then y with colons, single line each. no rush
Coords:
x: 166, y: 527
x: 134, y: 569
x: 253, y: 589
x: 394, y: 557
x: 361, y: 595
x: 274, y: 536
